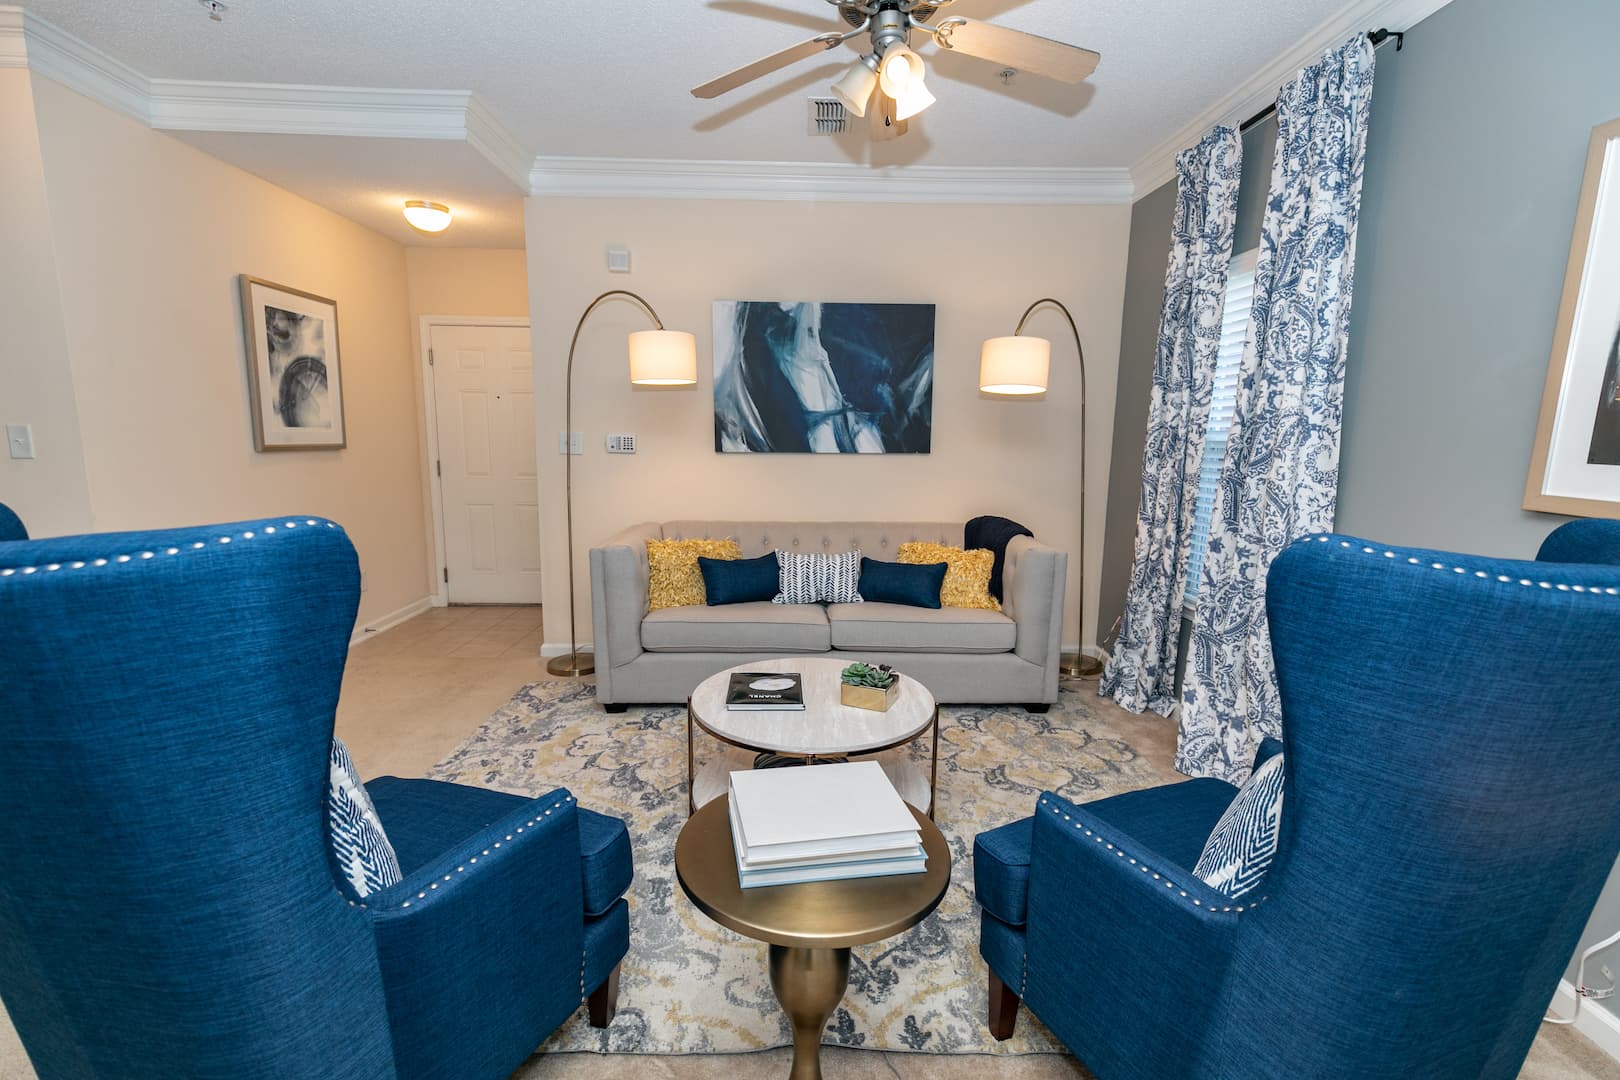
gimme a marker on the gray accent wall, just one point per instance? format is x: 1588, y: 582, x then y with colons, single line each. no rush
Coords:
x: 1475, y: 153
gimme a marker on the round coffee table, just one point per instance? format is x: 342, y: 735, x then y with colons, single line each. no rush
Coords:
x: 810, y: 927
x: 825, y: 729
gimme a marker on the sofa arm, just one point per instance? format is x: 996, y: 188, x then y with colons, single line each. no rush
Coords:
x: 1114, y: 928
x: 481, y: 949
x: 1032, y: 585
x: 619, y: 600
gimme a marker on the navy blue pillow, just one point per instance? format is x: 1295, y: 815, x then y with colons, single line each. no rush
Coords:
x: 912, y: 584
x: 737, y: 581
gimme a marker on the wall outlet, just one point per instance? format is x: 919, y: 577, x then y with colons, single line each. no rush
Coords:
x: 621, y: 444
x: 576, y: 445
x: 20, y: 440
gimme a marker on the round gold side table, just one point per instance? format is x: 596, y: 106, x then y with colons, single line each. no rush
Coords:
x: 810, y: 927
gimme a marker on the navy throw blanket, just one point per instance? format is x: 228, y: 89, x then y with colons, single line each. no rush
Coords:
x: 994, y: 533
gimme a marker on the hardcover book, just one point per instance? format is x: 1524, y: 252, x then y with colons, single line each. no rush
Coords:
x: 775, y: 691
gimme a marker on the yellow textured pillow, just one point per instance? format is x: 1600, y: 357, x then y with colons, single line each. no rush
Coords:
x: 673, y: 578
x: 967, y: 573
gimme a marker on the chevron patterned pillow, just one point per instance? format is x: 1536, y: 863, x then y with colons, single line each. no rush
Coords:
x: 359, y: 845
x: 818, y: 578
x: 1241, y: 845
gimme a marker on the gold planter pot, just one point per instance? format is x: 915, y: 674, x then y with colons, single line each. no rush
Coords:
x: 869, y: 697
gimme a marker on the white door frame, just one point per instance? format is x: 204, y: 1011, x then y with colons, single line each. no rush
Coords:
x: 430, y: 398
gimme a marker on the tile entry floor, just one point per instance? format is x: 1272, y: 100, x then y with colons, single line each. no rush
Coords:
x: 412, y: 694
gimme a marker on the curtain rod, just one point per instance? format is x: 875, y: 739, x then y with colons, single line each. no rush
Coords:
x: 1377, y: 37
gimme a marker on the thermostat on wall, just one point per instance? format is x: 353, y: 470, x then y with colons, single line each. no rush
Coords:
x: 618, y: 259
x: 621, y: 444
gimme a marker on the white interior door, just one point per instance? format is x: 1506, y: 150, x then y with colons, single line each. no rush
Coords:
x: 483, y: 385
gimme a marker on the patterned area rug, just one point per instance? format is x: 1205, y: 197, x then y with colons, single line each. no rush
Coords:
x: 689, y: 986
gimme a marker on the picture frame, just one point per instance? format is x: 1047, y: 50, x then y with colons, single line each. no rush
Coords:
x: 823, y: 377
x: 1575, y: 462
x: 294, y: 362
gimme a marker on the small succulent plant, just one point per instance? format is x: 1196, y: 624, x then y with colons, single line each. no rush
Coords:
x: 879, y: 677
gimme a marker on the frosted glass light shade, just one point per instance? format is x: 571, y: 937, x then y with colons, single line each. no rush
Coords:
x: 899, y: 70
x: 854, y: 89
x: 1014, y: 365
x: 913, y: 101
x: 428, y: 217
x: 663, y: 358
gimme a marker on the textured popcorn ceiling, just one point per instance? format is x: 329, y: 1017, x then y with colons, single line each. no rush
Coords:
x: 610, y: 78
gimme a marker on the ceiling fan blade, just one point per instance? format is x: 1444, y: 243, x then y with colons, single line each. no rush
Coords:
x: 777, y: 60
x: 1017, y: 50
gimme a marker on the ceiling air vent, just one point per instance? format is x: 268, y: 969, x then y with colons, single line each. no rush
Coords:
x: 828, y: 117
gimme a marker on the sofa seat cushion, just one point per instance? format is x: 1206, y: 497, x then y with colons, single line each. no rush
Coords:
x: 902, y: 628
x: 754, y: 627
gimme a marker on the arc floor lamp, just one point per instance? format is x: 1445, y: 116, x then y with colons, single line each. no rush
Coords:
x: 657, y: 358
x: 1017, y: 366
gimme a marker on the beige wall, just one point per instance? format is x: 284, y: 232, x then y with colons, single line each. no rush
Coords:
x: 982, y: 265
x: 50, y: 492
x: 150, y: 237
x: 462, y: 282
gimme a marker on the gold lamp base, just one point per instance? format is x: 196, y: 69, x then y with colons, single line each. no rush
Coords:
x: 1079, y: 666
x: 572, y: 664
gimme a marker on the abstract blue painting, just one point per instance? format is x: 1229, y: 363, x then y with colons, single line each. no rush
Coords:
x: 823, y: 378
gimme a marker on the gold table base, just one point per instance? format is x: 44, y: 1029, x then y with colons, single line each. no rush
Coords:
x: 809, y: 984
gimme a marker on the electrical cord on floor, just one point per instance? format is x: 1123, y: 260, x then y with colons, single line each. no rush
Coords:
x: 1581, y: 989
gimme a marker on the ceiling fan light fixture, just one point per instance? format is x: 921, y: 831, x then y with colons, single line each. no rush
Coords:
x: 913, y: 101
x: 899, y: 71
x: 428, y: 217
x: 854, y: 88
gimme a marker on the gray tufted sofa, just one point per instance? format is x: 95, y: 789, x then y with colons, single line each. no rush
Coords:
x: 961, y: 655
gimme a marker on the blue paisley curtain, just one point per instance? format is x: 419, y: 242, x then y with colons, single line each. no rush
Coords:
x: 1141, y: 671
x: 1280, y: 478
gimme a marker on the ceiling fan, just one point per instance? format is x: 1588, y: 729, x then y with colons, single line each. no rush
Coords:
x: 892, y: 67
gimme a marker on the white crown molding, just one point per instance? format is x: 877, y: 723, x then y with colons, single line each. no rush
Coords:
x: 499, y: 146
x: 13, y: 47
x: 278, y: 109
x: 1158, y: 165
x: 61, y: 56
x: 646, y: 178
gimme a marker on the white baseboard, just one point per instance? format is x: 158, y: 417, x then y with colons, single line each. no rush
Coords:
x: 563, y: 648
x: 387, y: 622
x: 1595, y: 1022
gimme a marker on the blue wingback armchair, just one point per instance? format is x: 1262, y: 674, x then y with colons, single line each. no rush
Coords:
x: 168, y: 907
x: 11, y: 526
x: 1452, y: 734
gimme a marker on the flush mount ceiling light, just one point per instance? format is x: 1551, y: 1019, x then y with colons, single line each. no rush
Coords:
x: 898, y: 71
x: 428, y: 217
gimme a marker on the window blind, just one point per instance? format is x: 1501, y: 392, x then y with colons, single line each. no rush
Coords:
x: 1222, y: 400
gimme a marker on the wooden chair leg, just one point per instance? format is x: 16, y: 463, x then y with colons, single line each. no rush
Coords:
x: 603, y: 1004
x: 1003, y: 1009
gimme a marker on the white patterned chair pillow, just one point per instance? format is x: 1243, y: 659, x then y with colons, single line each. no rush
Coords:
x: 818, y: 578
x: 1244, y: 840
x: 354, y: 830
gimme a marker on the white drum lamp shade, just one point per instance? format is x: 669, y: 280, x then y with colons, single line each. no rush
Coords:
x: 1014, y: 365
x: 663, y: 358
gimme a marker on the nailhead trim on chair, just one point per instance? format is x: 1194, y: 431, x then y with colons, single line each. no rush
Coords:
x: 1119, y: 852
x: 82, y: 564
x: 423, y: 894
x: 1607, y: 590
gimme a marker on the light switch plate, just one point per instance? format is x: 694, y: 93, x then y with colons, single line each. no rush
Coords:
x: 20, y: 440
x: 618, y: 259
x: 578, y: 442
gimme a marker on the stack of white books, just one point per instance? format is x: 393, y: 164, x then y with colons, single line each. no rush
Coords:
x: 821, y: 823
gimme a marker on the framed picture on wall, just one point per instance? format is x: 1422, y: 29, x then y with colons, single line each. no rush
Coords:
x: 295, y: 380
x: 1575, y: 465
x: 823, y: 378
